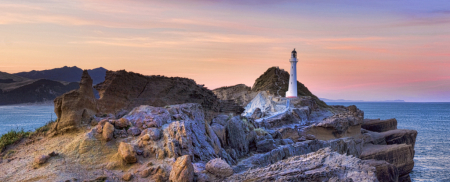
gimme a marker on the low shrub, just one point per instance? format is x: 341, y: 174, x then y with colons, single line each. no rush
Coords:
x: 11, y: 137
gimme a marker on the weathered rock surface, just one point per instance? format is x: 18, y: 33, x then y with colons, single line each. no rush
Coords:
x: 127, y: 153
x: 323, y: 165
x: 378, y: 125
x: 400, y: 155
x: 345, y: 124
x: 219, y: 167
x: 108, y: 131
x: 240, y: 94
x: 76, y: 106
x: 385, y: 171
x: 190, y: 135
x: 127, y: 90
x: 182, y: 170
x: 153, y: 133
x: 400, y: 136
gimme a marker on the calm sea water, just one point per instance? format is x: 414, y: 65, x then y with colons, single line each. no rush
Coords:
x: 28, y: 117
x: 431, y: 120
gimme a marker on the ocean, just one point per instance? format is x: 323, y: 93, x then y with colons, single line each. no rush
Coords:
x: 26, y: 117
x: 431, y: 120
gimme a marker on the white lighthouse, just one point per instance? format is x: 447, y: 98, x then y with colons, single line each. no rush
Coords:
x: 292, y: 90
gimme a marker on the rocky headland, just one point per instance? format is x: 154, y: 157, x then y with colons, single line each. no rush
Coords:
x: 156, y: 128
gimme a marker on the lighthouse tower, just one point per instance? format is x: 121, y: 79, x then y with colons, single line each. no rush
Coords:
x: 292, y: 91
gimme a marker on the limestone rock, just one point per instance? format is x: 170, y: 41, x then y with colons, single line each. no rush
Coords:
x: 108, y: 131
x: 400, y: 155
x: 153, y: 133
x: 346, y: 124
x: 400, y: 136
x: 219, y: 168
x: 378, y: 125
x: 121, y: 123
x: 238, y: 138
x: 265, y: 145
x: 134, y: 131
x: 220, y: 131
x: 385, y: 170
x: 146, y: 116
x: 127, y: 176
x: 288, y: 132
x: 76, y: 106
x: 323, y: 165
x: 182, y: 170
x: 191, y: 135
x: 127, y: 153
x: 257, y: 113
x: 41, y: 159
x: 241, y: 94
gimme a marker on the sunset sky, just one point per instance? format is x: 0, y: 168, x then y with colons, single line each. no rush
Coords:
x: 351, y: 49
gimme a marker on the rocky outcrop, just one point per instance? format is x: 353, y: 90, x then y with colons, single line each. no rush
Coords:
x: 399, y: 155
x: 345, y: 124
x: 378, y: 125
x: 76, y: 106
x: 384, y: 170
x: 127, y: 90
x: 323, y: 165
x: 182, y: 170
x: 219, y: 167
x: 400, y: 136
x: 240, y: 94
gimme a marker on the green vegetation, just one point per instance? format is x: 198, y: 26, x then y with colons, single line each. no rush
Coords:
x: 261, y: 131
x: 11, y: 137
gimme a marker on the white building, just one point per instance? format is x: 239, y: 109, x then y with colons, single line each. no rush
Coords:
x: 292, y: 91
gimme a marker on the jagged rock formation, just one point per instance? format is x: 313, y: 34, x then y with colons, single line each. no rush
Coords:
x: 76, y: 106
x: 134, y: 132
x: 240, y: 94
x: 323, y: 165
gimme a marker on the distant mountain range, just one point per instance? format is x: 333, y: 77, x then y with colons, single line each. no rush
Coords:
x: 342, y: 100
x: 40, y: 86
x: 68, y: 74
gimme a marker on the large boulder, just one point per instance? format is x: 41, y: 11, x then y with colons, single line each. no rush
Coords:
x: 323, y: 165
x: 219, y: 167
x: 127, y: 153
x: 400, y: 155
x: 76, y: 106
x: 182, y: 170
x: 378, y: 125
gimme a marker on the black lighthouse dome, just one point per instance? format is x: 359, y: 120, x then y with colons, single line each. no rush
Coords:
x: 294, y: 53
